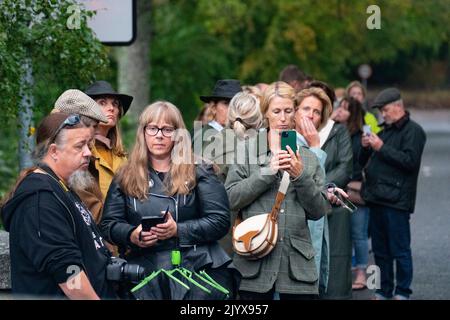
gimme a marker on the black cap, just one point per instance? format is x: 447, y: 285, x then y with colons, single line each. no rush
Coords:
x: 385, y: 97
x: 223, y: 90
x: 100, y: 88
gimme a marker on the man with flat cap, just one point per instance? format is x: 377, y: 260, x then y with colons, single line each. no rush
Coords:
x: 56, y: 249
x: 108, y: 153
x: 392, y: 162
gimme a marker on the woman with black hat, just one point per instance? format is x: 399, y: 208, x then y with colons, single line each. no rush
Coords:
x: 108, y: 153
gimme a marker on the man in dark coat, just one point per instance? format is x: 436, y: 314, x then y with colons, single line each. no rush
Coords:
x: 392, y: 161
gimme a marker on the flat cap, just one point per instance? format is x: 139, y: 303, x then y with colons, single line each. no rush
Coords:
x: 74, y: 101
x: 385, y: 97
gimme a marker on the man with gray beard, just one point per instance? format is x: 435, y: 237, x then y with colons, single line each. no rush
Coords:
x: 81, y: 180
x: 73, y: 101
x: 55, y: 247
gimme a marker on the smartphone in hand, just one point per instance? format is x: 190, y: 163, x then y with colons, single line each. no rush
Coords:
x: 367, y: 130
x: 289, y: 138
x: 151, y: 221
x: 345, y: 203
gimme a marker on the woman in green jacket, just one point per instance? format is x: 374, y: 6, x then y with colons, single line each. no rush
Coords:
x: 252, y: 187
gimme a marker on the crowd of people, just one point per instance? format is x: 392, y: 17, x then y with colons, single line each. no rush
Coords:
x: 78, y: 218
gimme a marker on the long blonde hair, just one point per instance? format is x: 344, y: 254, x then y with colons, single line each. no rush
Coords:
x: 133, y: 177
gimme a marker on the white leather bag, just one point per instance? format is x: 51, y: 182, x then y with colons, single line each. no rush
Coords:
x: 256, y: 236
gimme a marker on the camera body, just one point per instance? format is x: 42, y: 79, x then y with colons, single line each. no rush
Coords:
x: 121, y: 271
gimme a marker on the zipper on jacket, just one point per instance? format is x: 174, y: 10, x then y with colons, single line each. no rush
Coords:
x: 167, y: 197
x: 70, y: 214
x: 176, y: 209
x: 39, y: 216
x: 176, y: 200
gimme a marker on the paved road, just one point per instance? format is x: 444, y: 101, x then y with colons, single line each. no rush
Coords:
x: 430, y: 224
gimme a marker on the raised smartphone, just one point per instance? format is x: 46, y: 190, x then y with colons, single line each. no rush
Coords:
x: 289, y: 138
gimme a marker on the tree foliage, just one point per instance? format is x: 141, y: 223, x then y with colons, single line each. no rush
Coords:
x: 61, y: 57
x: 198, y: 42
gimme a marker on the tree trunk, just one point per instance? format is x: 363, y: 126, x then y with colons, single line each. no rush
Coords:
x: 134, y: 62
x: 26, y: 139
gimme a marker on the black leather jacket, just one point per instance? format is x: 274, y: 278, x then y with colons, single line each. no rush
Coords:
x: 202, y: 216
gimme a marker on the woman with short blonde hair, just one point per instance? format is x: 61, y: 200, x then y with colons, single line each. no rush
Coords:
x: 252, y: 189
x: 319, y: 94
x: 277, y: 89
x: 331, y: 236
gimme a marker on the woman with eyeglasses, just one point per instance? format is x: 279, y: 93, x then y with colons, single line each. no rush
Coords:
x: 161, y: 176
x: 252, y: 187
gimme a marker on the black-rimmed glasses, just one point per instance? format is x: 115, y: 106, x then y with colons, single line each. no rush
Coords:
x: 153, y: 131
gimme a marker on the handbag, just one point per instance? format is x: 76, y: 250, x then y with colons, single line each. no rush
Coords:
x: 256, y: 236
x: 354, y: 192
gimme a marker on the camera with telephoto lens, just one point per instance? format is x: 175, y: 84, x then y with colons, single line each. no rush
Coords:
x: 120, y: 270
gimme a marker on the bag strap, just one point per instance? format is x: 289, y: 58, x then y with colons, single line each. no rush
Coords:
x: 284, y: 184
x: 238, y: 219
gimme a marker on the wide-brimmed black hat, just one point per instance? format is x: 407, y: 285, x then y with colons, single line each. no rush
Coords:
x: 223, y: 90
x: 100, y: 88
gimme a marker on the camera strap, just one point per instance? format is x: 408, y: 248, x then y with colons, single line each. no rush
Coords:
x: 53, y: 175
